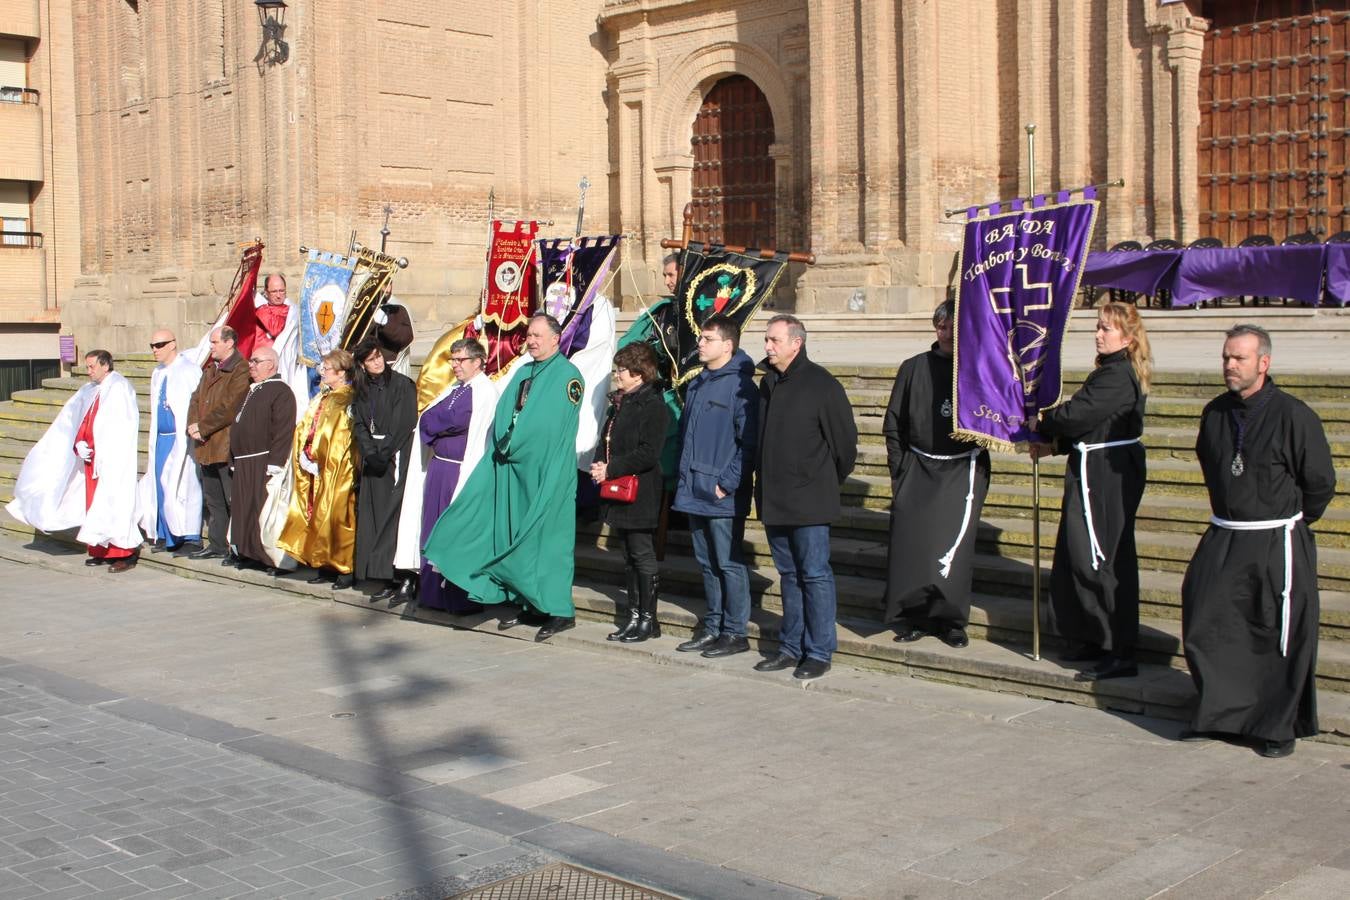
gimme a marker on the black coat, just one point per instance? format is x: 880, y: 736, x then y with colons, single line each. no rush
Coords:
x: 808, y: 443
x: 631, y: 443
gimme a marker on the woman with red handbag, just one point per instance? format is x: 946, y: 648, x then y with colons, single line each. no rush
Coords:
x: 627, y: 466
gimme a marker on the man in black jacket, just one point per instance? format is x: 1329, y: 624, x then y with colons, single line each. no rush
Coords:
x: 808, y: 444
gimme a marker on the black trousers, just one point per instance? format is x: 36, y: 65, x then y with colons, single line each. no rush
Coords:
x: 217, y: 481
x: 639, y: 552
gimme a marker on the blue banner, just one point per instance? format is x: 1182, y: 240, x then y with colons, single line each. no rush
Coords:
x: 323, y: 304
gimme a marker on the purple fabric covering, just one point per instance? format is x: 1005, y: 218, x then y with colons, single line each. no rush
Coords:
x: 1294, y: 271
x: 1141, y: 271
x: 445, y: 429
x: 1338, y: 272
x: 1019, y: 273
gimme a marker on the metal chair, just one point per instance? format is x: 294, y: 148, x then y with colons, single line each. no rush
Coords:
x: 1205, y: 243
x: 1162, y: 299
x: 1303, y: 237
x: 1340, y: 237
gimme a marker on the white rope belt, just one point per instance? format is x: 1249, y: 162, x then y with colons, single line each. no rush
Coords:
x: 1083, y: 450
x: 945, y: 561
x: 446, y: 458
x: 1269, y: 525
x: 252, y: 455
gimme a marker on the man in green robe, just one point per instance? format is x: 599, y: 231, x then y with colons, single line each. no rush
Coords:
x: 510, y: 535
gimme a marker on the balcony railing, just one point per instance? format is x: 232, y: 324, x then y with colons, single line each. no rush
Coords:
x: 29, y: 239
x: 11, y: 94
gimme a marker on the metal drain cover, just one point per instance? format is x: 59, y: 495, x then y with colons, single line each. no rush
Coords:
x: 561, y: 882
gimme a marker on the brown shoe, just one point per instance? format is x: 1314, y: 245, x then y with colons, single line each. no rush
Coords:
x: 122, y: 565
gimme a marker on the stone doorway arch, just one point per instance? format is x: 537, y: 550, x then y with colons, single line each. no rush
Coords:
x: 733, y: 182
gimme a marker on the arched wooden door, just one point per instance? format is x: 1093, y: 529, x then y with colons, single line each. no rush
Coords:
x: 733, y: 178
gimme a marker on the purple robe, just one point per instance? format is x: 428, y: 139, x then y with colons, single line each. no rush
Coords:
x: 444, y: 428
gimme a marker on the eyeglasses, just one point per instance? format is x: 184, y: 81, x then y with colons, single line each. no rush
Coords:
x: 160, y: 345
x: 462, y: 359
x: 258, y: 362
x: 710, y: 339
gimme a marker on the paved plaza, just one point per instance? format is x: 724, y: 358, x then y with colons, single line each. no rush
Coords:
x: 169, y: 737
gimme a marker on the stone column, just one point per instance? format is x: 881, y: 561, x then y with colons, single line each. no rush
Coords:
x: 1165, y: 149
x: 1185, y: 51
x: 1120, y: 113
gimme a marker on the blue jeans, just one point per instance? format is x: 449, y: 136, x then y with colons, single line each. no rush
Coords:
x: 801, y: 554
x: 726, y: 582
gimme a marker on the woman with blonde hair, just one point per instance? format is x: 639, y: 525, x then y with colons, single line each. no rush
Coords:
x: 1094, y: 584
x: 320, y: 529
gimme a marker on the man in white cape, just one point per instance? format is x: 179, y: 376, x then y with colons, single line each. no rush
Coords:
x: 169, y: 496
x: 466, y: 358
x: 82, y: 473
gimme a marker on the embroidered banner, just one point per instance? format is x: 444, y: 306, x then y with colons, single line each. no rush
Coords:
x: 323, y: 304
x: 1018, y: 273
x: 574, y: 271
x: 714, y: 280
x: 510, y: 295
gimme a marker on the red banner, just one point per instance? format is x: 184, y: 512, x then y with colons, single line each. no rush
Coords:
x: 242, y: 317
x: 510, y: 277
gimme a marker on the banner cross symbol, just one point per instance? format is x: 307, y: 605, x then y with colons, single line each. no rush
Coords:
x: 1043, y: 286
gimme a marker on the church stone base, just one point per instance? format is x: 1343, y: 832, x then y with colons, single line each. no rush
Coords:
x: 899, y: 281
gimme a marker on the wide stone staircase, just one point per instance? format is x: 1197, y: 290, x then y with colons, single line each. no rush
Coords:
x: 1171, y: 518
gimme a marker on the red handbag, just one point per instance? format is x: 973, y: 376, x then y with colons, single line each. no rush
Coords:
x: 619, y: 490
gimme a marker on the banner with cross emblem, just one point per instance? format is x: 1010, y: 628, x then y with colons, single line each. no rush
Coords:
x: 323, y: 304
x: 1018, y: 274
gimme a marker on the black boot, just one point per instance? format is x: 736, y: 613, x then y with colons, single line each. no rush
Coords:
x: 628, y: 617
x: 648, y: 626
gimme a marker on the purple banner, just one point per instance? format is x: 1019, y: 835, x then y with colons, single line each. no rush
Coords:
x: 1338, y: 272
x: 1018, y: 275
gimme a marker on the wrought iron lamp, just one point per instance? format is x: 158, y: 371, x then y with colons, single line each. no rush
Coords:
x: 272, y: 17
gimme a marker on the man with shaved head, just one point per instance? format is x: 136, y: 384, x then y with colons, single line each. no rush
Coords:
x: 260, y: 446
x: 169, y: 497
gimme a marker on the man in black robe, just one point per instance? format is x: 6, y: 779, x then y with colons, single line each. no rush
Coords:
x: 260, y: 445
x: 1249, y: 601
x: 938, y: 486
x: 384, y: 416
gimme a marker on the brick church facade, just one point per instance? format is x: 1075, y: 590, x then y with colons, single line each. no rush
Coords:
x: 841, y: 127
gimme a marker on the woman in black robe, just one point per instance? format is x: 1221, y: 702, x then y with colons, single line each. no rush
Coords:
x: 1094, y: 585
x: 384, y: 415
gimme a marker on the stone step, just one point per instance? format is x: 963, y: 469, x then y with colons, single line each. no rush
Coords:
x: 1159, y: 690
x: 861, y: 565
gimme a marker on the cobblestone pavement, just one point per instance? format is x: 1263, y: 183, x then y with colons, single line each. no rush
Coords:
x: 704, y: 780
x: 92, y: 804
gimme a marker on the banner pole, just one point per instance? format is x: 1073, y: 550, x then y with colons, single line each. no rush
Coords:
x: 1035, y: 462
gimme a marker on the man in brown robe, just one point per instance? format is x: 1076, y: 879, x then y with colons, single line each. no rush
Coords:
x: 260, y: 445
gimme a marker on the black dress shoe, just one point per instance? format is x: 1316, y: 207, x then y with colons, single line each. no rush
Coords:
x: 187, y: 549
x: 776, y: 663
x: 271, y: 571
x: 122, y: 565
x: 95, y: 561
x: 385, y: 595
x: 1194, y: 737
x: 1275, y: 749
x: 698, y: 643
x: 908, y: 634
x: 318, y: 577
x: 727, y: 645
x: 554, y: 625
x: 1082, y: 653
x: 407, y: 590
x: 810, y: 668
x: 342, y: 582
x: 158, y: 547
x: 954, y: 637
x: 1109, y: 667
x: 205, y: 553
x: 526, y: 616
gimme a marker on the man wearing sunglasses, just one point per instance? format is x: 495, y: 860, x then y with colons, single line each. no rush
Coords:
x: 169, y: 496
